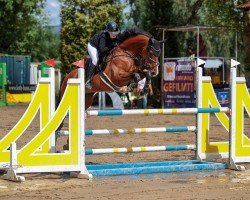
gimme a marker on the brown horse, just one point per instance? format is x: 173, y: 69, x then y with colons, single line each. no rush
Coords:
x: 135, y: 57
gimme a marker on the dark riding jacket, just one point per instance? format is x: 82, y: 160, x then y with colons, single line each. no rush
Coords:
x: 103, y: 43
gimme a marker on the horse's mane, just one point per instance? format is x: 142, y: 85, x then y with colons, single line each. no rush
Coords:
x: 131, y: 32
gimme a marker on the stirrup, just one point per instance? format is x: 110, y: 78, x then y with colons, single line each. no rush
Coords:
x: 88, y: 84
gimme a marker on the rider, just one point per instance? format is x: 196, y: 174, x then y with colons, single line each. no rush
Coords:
x: 99, y: 46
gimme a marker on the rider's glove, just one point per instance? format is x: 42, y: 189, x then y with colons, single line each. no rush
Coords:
x: 112, y: 46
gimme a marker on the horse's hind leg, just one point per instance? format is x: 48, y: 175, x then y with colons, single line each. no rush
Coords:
x: 89, y: 97
x: 63, y: 85
x: 57, y: 104
x: 88, y: 102
x: 60, y: 127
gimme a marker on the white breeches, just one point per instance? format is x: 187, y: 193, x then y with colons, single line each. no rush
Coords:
x: 93, y: 54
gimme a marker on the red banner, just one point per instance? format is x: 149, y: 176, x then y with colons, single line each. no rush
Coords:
x: 50, y: 62
x: 79, y: 63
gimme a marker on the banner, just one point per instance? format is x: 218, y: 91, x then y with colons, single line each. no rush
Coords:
x: 20, y: 88
x: 223, y: 96
x: 179, y: 83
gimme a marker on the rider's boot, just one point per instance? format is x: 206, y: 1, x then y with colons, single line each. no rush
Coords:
x: 89, y: 75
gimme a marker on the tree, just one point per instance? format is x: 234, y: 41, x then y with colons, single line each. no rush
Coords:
x: 46, y: 43
x: 152, y: 16
x: 246, y: 41
x: 80, y: 20
x: 18, y: 25
x: 222, y: 14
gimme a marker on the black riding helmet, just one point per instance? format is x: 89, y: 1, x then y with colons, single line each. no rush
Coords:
x: 112, y: 27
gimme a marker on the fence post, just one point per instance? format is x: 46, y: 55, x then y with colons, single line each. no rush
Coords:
x: 3, y: 83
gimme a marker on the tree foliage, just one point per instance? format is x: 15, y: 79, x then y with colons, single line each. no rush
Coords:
x: 246, y: 41
x: 80, y: 21
x: 222, y: 14
x: 23, y: 28
x: 152, y: 14
x: 226, y: 14
x: 46, y: 43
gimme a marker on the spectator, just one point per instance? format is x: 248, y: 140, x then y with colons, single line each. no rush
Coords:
x: 122, y: 95
x: 143, y: 95
x: 192, y: 48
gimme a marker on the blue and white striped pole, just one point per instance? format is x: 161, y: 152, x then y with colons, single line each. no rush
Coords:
x: 174, y: 129
x: 156, y: 111
x: 139, y: 149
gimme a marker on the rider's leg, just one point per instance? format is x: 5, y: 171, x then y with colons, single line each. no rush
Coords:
x: 144, y: 101
x: 91, y: 71
x: 89, y: 75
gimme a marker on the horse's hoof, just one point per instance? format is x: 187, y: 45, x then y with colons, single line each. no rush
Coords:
x: 88, y: 85
x: 66, y: 147
x: 124, y: 89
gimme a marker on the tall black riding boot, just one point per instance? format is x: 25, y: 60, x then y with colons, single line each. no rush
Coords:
x: 89, y: 75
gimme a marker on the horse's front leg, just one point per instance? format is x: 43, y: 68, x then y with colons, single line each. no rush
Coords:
x: 136, y: 77
x: 133, y: 84
x: 89, y: 97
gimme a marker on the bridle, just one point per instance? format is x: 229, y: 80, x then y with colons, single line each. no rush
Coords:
x: 149, y: 61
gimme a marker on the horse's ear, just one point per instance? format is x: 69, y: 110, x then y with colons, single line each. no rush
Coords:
x: 163, y: 41
x: 155, y: 46
x: 150, y: 42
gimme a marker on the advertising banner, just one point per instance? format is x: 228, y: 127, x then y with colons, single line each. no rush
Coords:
x: 178, y: 83
x: 223, y: 96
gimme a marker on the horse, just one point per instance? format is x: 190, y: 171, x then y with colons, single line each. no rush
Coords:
x: 136, y: 56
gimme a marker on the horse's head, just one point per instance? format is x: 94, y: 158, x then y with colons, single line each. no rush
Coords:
x: 151, y: 56
x: 145, y: 49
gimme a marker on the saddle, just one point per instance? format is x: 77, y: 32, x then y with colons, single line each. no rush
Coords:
x: 101, y: 65
x: 99, y: 68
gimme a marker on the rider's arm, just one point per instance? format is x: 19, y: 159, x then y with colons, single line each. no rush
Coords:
x: 150, y: 89
x: 103, y: 49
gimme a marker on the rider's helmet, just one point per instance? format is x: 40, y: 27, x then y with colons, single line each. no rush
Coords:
x: 112, y: 27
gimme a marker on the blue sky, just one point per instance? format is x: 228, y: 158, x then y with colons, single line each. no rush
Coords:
x: 52, y: 9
